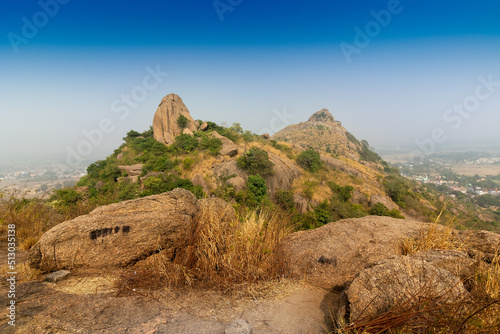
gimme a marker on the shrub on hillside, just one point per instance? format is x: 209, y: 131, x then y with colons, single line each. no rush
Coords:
x: 309, y: 160
x: 256, y: 190
x: 380, y: 209
x: 182, y: 121
x: 256, y: 161
x: 185, y: 143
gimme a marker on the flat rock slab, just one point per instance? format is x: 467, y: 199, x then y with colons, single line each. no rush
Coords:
x: 57, y: 276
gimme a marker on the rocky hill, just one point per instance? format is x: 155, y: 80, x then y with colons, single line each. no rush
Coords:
x: 322, y: 132
x: 191, y: 227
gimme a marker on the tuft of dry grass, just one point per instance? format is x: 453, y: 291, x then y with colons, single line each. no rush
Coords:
x: 433, y: 236
x: 226, y: 254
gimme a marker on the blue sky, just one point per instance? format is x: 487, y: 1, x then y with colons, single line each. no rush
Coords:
x: 263, y: 60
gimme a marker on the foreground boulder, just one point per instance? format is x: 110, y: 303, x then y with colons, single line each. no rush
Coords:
x: 331, y: 256
x: 401, y: 283
x: 118, y: 234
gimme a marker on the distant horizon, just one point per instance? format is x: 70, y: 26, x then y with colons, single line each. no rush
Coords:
x: 395, y: 73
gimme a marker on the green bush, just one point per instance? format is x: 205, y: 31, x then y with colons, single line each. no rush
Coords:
x: 185, y: 143
x: 187, y: 163
x: 163, y: 183
x: 213, y: 145
x: 380, y: 209
x: 284, y: 199
x: 257, y: 190
x: 345, y: 193
x: 182, y: 121
x: 309, y: 160
x: 256, y: 161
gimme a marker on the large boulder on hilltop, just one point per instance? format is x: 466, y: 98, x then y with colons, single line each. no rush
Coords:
x: 401, y: 282
x: 331, y: 255
x: 117, y: 234
x: 165, y: 125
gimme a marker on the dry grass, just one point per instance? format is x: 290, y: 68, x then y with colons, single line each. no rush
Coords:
x: 433, y: 236
x: 31, y: 217
x: 225, y: 254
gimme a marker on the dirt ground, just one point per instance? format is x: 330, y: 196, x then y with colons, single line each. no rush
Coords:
x: 90, y: 302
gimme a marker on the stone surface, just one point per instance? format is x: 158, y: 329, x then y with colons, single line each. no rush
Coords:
x: 187, y: 132
x: 482, y: 244
x: 285, y: 172
x: 394, y: 282
x: 230, y: 173
x: 165, y: 127
x: 132, y: 170
x: 239, y: 326
x: 203, y: 126
x: 198, y: 180
x: 57, y: 276
x: 321, y: 132
x: 117, y: 234
x: 456, y: 262
x: 301, y: 203
x: 346, y: 247
x: 229, y: 148
x: 266, y: 136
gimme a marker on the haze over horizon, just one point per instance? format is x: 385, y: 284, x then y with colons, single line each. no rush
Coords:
x: 393, y: 72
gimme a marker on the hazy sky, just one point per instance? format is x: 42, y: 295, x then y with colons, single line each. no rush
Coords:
x: 391, y: 71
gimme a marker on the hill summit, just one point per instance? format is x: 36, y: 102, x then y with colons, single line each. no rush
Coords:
x: 323, y: 133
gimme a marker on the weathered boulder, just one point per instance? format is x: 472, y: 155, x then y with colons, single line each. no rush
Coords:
x: 330, y: 256
x: 400, y: 281
x: 228, y: 147
x: 284, y: 174
x: 133, y: 172
x: 456, y: 262
x: 188, y: 132
x: 203, y: 126
x: 165, y: 127
x: 117, y: 234
x: 198, y: 180
x: 482, y: 244
x: 229, y: 172
x: 301, y: 203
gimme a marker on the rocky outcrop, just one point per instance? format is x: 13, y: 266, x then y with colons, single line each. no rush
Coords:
x: 133, y: 172
x: 165, y: 125
x: 117, y: 234
x: 401, y: 282
x: 198, y: 180
x: 284, y: 174
x: 228, y: 172
x: 332, y: 255
x: 228, y: 147
x: 321, y: 132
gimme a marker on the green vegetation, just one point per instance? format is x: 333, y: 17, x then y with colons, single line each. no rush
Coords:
x: 256, y: 161
x: 182, y: 121
x: 380, y: 209
x: 310, y: 160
